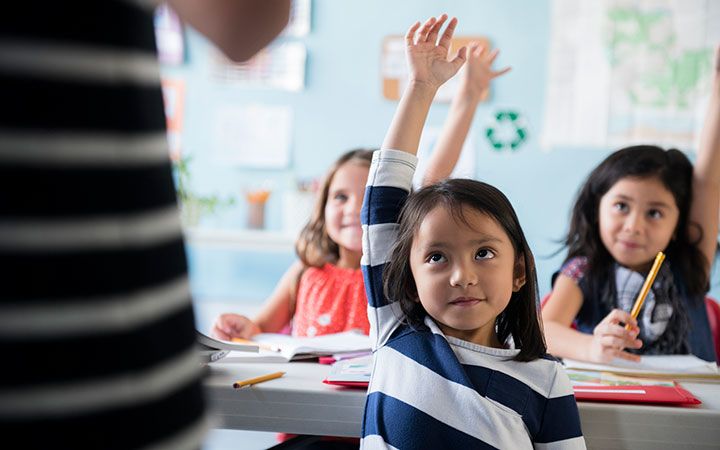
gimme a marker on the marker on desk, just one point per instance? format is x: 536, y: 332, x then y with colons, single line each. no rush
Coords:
x: 659, y: 258
x: 256, y: 380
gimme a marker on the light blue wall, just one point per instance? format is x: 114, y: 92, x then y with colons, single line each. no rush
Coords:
x: 342, y: 107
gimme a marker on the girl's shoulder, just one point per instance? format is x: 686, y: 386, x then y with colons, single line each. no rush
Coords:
x: 332, y: 272
x: 330, y: 269
x: 575, y: 268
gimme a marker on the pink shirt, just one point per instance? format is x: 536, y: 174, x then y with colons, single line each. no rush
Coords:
x: 330, y: 299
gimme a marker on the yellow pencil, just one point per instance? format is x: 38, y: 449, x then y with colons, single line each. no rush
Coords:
x: 256, y: 380
x: 646, y: 286
x: 261, y: 345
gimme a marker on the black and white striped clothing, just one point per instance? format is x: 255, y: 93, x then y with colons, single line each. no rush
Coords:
x: 96, y: 322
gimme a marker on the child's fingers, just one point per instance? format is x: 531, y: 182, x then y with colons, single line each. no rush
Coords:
x: 218, y: 333
x: 447, y: 35
x: 492, y: 55
x: 613, y: 342
x: 620, y: 316
x: 501, y: 72
x: 422, y: 34
x: 617, y: 337
x: 628, y: 356
x: 435, y: 30
x: 410, y: 35
x: 460, y: 59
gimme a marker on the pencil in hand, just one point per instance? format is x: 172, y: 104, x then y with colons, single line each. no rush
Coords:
x: 256, y: 380
x: 659, y: 258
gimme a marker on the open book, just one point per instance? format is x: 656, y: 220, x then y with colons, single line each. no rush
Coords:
x: 283, y: 348
x: 665, y: 366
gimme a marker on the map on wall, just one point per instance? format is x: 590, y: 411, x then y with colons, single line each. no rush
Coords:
x: 623, y: 72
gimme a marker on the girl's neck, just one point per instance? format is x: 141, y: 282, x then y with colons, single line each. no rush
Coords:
x: 642, y: 268
x: 485, y: 336
x: 348, y: 259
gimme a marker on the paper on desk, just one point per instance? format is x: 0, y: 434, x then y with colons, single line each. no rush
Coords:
x: 293, y: 348
x: 353, y: 370
x: 667, y: 365
x: 593, y: 378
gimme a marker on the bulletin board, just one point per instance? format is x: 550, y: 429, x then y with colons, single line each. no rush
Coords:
x: 393, y: 67
x: 174, y: 101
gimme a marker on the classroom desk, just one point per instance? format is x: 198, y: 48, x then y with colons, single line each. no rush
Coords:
x: 300, y: 403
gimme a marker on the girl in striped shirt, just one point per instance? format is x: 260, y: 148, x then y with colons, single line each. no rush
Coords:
x: 459, y: 358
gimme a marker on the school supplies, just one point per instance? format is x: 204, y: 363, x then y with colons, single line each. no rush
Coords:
x: 332, y: 359
x: 291, y: 348
x: 671, y: 395
x: 256, y: 380
x: 659, y: 258
x: 656, y: 366
x: 212, y: 349
x: 353, y: 372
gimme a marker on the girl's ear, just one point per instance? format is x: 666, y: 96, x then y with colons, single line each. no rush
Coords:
x: 519, y: 273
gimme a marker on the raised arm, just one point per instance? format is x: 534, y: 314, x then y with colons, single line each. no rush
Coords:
x: 429, y: 69
x: 706, y: 174
x: 473, y: 89
x: 240, y: 28
x: 392, y: 169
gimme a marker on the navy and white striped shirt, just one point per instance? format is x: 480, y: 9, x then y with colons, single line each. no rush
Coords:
x: 97, y: 333
x: 429, y: 390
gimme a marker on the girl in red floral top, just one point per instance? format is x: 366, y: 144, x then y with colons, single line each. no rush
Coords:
x: 323, y: 292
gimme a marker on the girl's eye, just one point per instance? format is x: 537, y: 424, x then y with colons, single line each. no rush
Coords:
x: 436, y: 258
x: 340, y: 197
x: 621, y: 207
x: 485, y: 254
x: 655, y: 214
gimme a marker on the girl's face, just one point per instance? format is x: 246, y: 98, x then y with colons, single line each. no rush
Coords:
x: 465, y: 275
x: 638, y: 217
x: 342, y: 209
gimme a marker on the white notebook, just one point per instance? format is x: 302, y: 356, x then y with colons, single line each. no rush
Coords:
x: 676, y: 366
x: 287, y: 348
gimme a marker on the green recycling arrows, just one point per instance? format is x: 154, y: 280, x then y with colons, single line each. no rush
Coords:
x: 507, y: 131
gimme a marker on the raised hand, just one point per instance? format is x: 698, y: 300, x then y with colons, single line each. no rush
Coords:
x: 427, y: 57
x: 479, y: 72
x: 610, y: 338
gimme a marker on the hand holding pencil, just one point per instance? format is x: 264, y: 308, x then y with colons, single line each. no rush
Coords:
x: 610, y: 338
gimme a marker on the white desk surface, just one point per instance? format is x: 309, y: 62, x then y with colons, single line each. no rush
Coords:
x: 300, y: 403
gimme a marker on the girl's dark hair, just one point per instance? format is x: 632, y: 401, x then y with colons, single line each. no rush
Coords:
x: 313, y: 246
x: 520, y: 318
x: 674, y: 170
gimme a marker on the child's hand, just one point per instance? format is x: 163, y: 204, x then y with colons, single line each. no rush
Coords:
x: 427, y: 58
x: 478, y: 72
x: 229, y: 326
x: 610, y: 338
